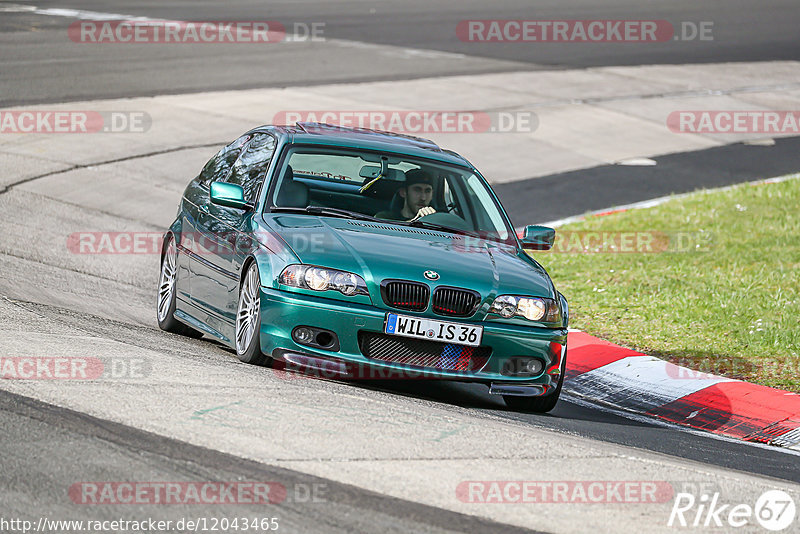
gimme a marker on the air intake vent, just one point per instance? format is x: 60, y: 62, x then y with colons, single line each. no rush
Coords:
x: 455, y: 302
x: 423, y: 353
x: 404, y: 229
x: 405, y: 295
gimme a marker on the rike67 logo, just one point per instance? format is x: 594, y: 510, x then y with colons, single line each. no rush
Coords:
x: 774, y: 510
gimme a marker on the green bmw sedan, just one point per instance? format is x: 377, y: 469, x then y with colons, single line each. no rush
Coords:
x: 363, y: 253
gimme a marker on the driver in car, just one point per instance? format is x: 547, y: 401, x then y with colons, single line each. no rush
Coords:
x: 417, y: 194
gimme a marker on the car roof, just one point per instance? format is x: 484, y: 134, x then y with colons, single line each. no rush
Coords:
x: 318, y: 133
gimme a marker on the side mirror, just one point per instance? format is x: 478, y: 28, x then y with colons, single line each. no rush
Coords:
x: 228, y: 195
x: 538, y: 237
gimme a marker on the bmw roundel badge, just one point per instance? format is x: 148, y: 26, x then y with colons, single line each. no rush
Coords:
x: 431, y: 275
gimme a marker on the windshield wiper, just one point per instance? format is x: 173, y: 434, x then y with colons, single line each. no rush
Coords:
x: 434, y: 226
x: 322, y: 210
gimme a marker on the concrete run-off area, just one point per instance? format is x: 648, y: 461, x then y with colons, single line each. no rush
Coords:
x: 398, y: 443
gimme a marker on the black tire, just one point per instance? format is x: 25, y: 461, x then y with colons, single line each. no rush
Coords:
x: 541, y: 404
x: 166, y: 296
x: 249, y: 351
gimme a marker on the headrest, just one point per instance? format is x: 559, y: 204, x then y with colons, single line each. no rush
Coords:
x: 292, y: 194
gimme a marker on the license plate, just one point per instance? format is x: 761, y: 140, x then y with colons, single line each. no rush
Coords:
x: 433, y: 330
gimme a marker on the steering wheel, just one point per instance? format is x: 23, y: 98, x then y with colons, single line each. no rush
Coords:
x: 447, y: 219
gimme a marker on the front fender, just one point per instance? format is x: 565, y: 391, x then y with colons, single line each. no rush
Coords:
x: 173, y: 230
x: 564, y: 309
x: 271, y: 254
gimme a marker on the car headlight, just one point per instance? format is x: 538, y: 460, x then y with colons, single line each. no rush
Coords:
x: 323, y: 279
x: 532, y: 308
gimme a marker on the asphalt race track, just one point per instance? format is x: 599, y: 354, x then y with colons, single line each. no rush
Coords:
x: 605, y: 186
x: 369, y: 456
x: 33, y: 47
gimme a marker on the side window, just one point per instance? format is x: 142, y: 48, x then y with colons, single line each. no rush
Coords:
x: 249, y: 169
x: 220, y: 165
x: 459, y: 201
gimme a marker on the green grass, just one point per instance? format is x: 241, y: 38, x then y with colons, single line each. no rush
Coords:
x: 728, y: 305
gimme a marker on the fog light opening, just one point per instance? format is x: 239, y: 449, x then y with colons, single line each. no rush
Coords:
x: 522, y: 366
x: 324, y: 339
x: 315, y: 337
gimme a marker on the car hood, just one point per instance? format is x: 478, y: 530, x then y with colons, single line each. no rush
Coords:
x: 378, y: 251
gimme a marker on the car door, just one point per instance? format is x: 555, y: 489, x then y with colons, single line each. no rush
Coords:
x: 194, y: 235
x: 225, y: 234
x: 195, y: 200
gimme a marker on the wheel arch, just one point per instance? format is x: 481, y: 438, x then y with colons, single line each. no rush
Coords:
x: 249, y: 260
x: 172, y: 232
x: 164, y: 241
x: 269, y: 266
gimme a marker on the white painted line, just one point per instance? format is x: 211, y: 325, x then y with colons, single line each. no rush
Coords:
x: 387, y: 50
x: 641, y: 383
x: 760, y: 142
x: 637, y: 162
x: 398, y: 51
x: 16, y: 8
x: 71, y: 13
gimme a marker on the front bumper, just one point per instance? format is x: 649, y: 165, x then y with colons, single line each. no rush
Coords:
x: 282, y: 311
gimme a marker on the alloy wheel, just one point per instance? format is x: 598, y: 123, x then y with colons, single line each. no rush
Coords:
x: 247, y: 316
x: 166, y: 286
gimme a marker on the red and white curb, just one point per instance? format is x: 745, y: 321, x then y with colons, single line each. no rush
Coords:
x: 632, y: 381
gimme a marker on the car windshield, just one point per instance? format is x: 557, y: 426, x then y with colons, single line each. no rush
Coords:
x: 389, y: 187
